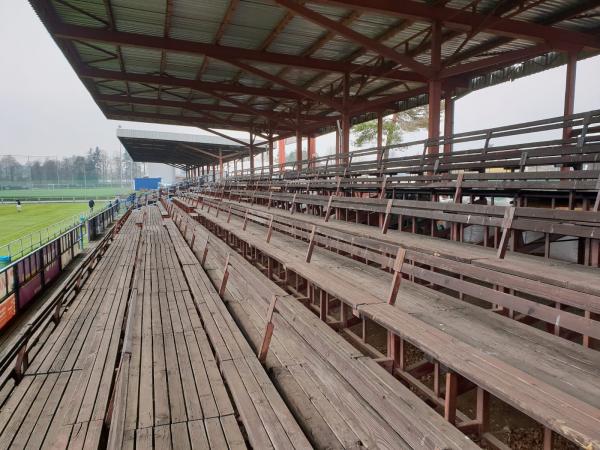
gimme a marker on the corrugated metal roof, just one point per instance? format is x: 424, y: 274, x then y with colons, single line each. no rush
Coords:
x: 259, y: 25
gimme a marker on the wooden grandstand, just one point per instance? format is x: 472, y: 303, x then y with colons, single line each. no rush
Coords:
x: 437, y: 294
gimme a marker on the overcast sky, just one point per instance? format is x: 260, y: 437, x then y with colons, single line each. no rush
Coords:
x: 45, y: 110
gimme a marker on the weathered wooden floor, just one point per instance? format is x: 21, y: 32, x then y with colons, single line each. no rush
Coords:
x: 146, y: 357
x: 179, y: 384
x: 64, y: 396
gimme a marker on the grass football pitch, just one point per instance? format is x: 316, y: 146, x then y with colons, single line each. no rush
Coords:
x: 34, y: 217
x: 64, y: 193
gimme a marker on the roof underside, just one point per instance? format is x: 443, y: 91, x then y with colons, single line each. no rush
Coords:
x: 279, y: 65
x: 179, y: 150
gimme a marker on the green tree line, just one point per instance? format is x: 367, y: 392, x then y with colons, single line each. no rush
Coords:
x: 93, y: 169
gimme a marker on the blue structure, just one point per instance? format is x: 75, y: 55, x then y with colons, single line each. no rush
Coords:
x: 145, y: 184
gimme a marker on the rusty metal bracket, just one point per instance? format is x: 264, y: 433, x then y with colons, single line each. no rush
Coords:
x: 388, y: 216
x: 397, y: 278
x: 225, y: 277
x: 268, y: 334
x: 509, y: 215
x: 311, y: 244
x: 328, y: 209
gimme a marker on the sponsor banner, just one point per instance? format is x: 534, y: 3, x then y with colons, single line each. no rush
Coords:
x: 52, y: 271
x: 8, y: 309
x: 29, y: 290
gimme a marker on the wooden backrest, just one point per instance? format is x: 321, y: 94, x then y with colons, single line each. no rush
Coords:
x: 510, y: 294
x: 485, y: 151
x: 585, y: 224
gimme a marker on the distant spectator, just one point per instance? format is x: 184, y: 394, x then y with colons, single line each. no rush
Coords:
x: 117, y: 206
x: 91, y: 204
x: 19, y: 206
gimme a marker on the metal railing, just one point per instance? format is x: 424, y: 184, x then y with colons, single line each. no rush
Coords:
x: 14, y: 356
x: 22, y: 280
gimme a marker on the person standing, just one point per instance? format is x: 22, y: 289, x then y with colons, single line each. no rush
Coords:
x: 19, y: 206
x: 91, y: 204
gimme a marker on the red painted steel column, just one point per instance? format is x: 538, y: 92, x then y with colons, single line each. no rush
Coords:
x: 337, y: 145
x: 270, y: 153
x: 570, y: 89
x: 380, y: 130
x: 251, y: 153
x: 448, y: 122
x: 221, y: 163
x: 281, y: 151
x: 312, y: 150
x: 346, y: 118
x: 435, y: 86
x: 298, y: 150
x: 346, y: 135
x: 569, y: 96
x: 298, y: 137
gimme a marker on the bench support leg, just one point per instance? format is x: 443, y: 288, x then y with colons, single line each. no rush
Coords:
x: 311, y: 244
x: 450, y: 400
x: 264, y: 348
x: 482, y: 410
x: 547, y: 439
x: 225, y: 277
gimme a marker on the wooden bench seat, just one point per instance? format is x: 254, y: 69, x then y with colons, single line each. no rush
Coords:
x: 553, y: 272
x: 503, y: 182
x: 579, y: 146
x: 541, y: 393
x: 345, y: 407
x: 64, y: 396
x: 188, y: 361
x: 455, y: 218
x: 169, y: 387
x: 163, y: 212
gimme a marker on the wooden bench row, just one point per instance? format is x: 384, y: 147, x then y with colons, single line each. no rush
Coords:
x: 168, y: 392
x: 64, y: 395
x: 187, y: 374
x: 484, y: 152
x: 21, y: 341
x: 576, y: 186
x: 550, y: 271
x: 266, y: 418
x: 517, y: 296
x: 551, y: 223
x: 321, y: 376
x: 521, y: 229
x: 516, y: 363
